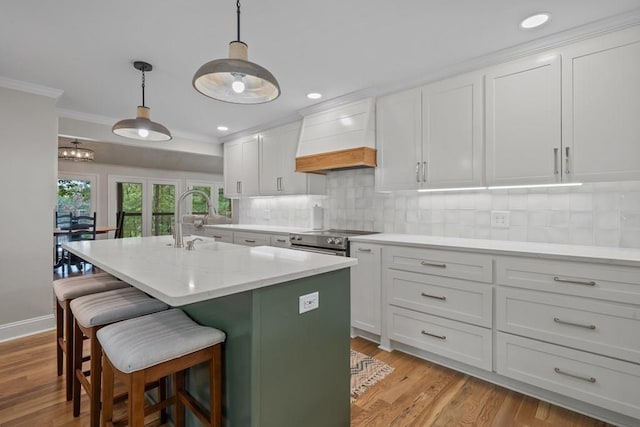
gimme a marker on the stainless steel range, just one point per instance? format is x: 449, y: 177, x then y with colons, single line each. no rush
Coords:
x: 332, y: 242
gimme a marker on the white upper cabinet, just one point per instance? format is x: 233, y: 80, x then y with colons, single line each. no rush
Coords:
x: 431, y: 137
x: 601, y: 106
x: 399, y: 141
x: 278, y: 148
x: 452, y: 144
x: 241, y: 162
x: 523, y: 122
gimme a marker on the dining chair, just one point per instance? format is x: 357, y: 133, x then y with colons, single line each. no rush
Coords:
x: 63, y: 222
x: 120, y: 224
x: 83, y: 227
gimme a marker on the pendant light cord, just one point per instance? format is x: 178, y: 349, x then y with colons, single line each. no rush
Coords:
x: 238, y: 13
x: 143, y: 87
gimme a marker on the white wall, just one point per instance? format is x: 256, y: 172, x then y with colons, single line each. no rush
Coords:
x: 601, y: 214
x: 28, y: 136
x: 103, y: 171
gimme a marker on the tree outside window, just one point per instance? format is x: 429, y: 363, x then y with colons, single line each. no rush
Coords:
x: 74, y: 197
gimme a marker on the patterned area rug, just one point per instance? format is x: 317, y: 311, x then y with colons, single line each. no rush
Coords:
x: 365, y: 372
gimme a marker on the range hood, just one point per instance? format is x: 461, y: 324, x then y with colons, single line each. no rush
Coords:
x: 339, y: 138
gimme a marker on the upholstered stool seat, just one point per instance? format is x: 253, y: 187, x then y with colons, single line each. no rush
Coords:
x: 143, y: 350
x: 92, y: 312
x: 65, y: 291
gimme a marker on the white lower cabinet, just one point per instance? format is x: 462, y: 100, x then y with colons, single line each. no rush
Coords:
x: 279, y: 240
x: 366, y: 288
x: 251, y: 239
x: 456, y: 340
x: 602, y: 381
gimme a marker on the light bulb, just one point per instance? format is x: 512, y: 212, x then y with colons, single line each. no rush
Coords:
x: 238, y: 85
x: 143, y: 133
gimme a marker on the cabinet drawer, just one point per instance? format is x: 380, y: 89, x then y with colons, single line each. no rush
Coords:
x: 599, y: 281
x: 459, y: 341
x: 451, y: 298
x: 251, y: 239
x: 220, y: 235
x: 599, y: 327
x: 459, y: 265
x: 598, y: 380
x: 280, y: 240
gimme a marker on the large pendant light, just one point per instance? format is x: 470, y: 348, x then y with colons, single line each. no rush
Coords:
x: 235, y: 79
x: 142, y: 127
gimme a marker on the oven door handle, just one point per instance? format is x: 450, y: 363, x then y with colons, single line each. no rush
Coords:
x: 318, y: 251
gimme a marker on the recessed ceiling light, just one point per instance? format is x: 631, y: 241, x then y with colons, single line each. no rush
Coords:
x: 534, y: 21
x: 314, y: 95
x: 223, y: 128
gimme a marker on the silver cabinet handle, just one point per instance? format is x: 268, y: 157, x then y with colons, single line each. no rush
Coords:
x: 440, y: 337
x: 424, y: 171
x: 249, y: 241
x: 555, y: 161
x: 217, y: 237
x: 418, y: 172
x: 566, y: 161
x: 364, y: 250
x: 281, y: 241
x: 575, y: 282
x: 579, y: 325
x: 433, y: 264
x: 579, y: 377
x: 442, y: 298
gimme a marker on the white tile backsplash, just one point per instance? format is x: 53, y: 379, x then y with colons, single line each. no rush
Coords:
x: 603, y: 214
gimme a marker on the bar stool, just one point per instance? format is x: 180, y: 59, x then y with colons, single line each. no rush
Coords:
x: 143, y: 350
x: 65, y: 291
x: 92, y: 312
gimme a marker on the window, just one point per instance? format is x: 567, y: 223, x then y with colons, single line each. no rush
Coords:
x: 129, y: 201
x: 74, y: 196
x: 215, y: 191
x: 163, y: 203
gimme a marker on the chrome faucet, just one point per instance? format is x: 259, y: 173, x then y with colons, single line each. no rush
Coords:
x: 178, y: 220
x: 191, y: 244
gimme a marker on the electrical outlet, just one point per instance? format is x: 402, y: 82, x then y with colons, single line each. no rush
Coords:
x: 500, y: 219
x: 308, y: 302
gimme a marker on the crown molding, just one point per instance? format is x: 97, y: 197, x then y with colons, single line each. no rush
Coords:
x: 109, y: 121
x: 30, y: 88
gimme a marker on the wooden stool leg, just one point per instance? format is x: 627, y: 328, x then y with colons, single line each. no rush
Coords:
x: 77, y: 367
x: 107, y: 391
x: 69, y: 348
x: 136, y: 399
x: 215, y: 387
x: 178, y: 389
x: 60, y: 338
x: 95, y: 376
x: 162, y: 396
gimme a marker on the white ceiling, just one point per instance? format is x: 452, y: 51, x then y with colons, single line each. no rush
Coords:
x: 336, y: 47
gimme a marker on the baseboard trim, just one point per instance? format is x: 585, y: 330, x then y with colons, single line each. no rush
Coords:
x: 23, y: 328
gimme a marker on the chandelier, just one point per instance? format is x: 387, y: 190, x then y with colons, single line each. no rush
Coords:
x: 76, y: 153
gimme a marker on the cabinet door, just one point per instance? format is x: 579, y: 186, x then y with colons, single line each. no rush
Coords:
x: 601, y: 107
x: 250, y: 167
x: 452, y: 150
x: 232, y: 169
x: 292, y: 182
x: 278, y: 161
x: 270, y: 163
x: 399, y: 141
x: 523, y: 124
x: 366, y: 288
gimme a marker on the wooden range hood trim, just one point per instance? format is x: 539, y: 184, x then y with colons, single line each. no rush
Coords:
x: 341, y: 159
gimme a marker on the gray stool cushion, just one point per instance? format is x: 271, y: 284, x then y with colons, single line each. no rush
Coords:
x: 75, y: 287
x: 139, y: 343
x: 113, y: 306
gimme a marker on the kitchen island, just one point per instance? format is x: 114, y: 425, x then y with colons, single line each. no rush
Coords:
x: 281, y: 367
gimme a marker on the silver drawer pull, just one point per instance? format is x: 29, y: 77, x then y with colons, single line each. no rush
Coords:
x: 364, y: 250
x: 443, y: 298
x: 249, y: 241
x: 217, y: 237
x: 440, y: 337
x: 579, y: 325
x: 576, y: 282
x: 579, y: 377
x: 433, y: 264
x: 281, y: 240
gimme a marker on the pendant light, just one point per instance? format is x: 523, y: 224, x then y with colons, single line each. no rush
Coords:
x: 235, y: 79
x: 142, y: 127
x: 76, y: 153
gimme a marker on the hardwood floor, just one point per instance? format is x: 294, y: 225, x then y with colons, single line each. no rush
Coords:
x: 417, y: 393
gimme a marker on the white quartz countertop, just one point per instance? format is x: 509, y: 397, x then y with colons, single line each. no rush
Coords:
x: 622, y: 256
x: 214, y: 269
x: 259, y: 228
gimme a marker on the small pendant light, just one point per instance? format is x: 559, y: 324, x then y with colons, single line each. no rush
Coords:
x: 235, y: 79
x: 142, y: 127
